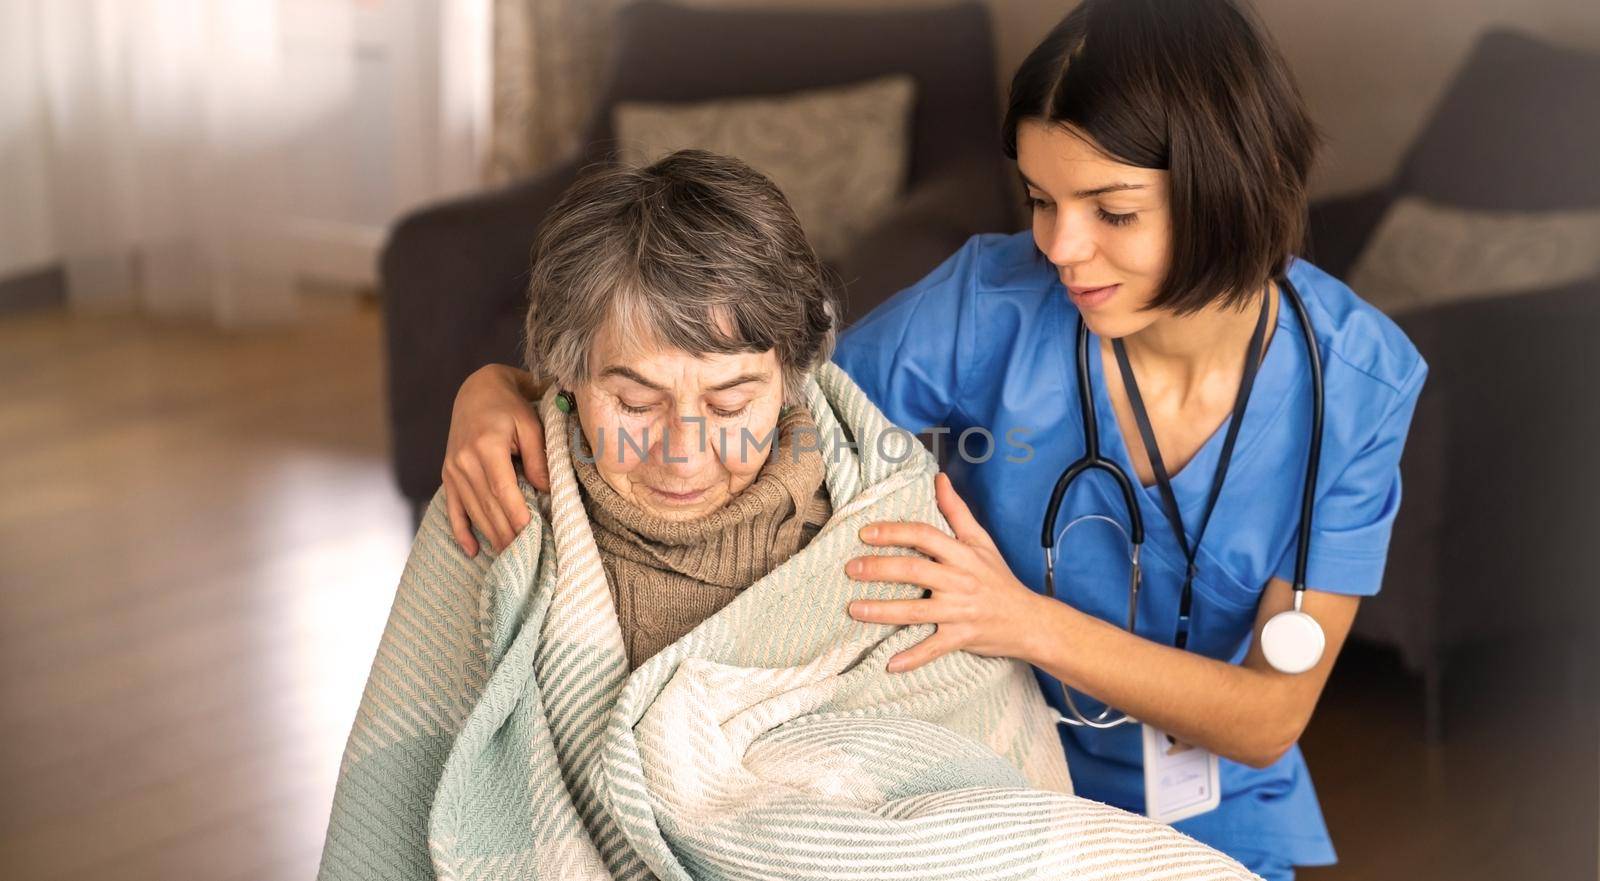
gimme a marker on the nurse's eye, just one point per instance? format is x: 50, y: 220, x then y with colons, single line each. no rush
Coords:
x: 1116, y: 219
x: 1034, y: 204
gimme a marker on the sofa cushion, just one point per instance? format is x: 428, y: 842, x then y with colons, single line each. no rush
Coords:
x: 839, y: 154
x: 1425, y: 254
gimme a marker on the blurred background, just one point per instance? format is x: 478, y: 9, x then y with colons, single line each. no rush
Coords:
x: 250, y: 248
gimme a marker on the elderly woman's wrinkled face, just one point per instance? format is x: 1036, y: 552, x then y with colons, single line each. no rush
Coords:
x: 676, y: 433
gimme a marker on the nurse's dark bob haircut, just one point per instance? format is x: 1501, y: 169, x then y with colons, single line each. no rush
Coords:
x: 1194, y: 88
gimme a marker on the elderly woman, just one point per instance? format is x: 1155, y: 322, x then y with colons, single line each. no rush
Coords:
x: 658, y: 676
x: 681, y: 309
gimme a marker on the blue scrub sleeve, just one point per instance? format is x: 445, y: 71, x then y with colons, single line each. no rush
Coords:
x: 1353, y: 518
x: 907, y: 353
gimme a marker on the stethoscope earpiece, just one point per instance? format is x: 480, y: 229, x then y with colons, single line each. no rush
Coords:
x: 1292, y: 641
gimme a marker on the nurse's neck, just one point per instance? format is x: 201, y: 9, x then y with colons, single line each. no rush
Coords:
x: 1185, y: 352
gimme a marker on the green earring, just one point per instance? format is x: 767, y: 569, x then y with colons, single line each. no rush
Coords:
x: 785, y: 410
x: 565, y: 402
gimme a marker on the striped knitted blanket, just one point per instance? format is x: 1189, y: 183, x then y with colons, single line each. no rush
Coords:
x: 501, y: 735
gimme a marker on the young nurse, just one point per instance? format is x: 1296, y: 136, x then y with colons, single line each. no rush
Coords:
x: 1165, y: 151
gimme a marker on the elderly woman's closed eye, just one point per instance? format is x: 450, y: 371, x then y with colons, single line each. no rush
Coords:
x: 679, y: 308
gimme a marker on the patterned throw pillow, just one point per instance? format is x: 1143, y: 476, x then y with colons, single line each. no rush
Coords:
x: 1423, y: 254
x: 839, y: 154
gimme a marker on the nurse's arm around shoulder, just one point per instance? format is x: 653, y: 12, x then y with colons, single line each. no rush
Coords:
x: 1247, y: 712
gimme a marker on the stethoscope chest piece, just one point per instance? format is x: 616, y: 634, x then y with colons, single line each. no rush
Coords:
x: 1292, y: 641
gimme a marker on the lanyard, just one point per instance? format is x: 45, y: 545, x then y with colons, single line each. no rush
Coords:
x: 1169, y: 502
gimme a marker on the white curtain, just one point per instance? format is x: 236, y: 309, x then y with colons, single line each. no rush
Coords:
x: 180, y: 138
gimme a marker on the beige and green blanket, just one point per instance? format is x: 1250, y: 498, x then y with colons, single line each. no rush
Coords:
x: 501, y: 736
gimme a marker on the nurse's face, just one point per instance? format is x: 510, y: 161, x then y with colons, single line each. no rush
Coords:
x: 1105, y: 226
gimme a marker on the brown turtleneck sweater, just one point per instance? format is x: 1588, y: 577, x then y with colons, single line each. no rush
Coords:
x: 666, y: 576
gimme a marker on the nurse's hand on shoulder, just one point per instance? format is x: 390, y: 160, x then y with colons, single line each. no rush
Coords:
x: 978, y: 605
x: 492, y: 420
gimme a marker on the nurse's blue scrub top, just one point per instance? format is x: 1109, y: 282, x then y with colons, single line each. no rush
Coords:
x: 986, y: 341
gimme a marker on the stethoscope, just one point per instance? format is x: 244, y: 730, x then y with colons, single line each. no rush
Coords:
x: 1292, y: 640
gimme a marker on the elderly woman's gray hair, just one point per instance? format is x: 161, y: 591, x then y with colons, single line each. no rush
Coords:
x: 696, y: 252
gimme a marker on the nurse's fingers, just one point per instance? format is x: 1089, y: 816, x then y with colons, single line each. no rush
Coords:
x: 938, y: 645
x: 507, y: 495
x: 481, y: 504
x: 917, y: 536
x: 898, y: 612
x: 955, y: 510
x: 475, y: 515
x: 458, y: 519
x: 908, y: 570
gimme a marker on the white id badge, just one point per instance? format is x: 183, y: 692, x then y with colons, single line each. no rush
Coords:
x: 1180, y: 780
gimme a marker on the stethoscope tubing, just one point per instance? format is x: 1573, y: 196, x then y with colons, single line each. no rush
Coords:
x: 1093, y: 460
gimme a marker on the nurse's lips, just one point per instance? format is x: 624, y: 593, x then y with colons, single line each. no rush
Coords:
x: 1088, y: 297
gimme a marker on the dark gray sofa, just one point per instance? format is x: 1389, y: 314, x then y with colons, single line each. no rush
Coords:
x: 1500, y: 481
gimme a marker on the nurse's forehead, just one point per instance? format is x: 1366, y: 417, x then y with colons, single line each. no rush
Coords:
x: 1058, y: 160
x: 1114, y: 186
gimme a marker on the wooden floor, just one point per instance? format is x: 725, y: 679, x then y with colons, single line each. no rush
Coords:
x: 199, y: 540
